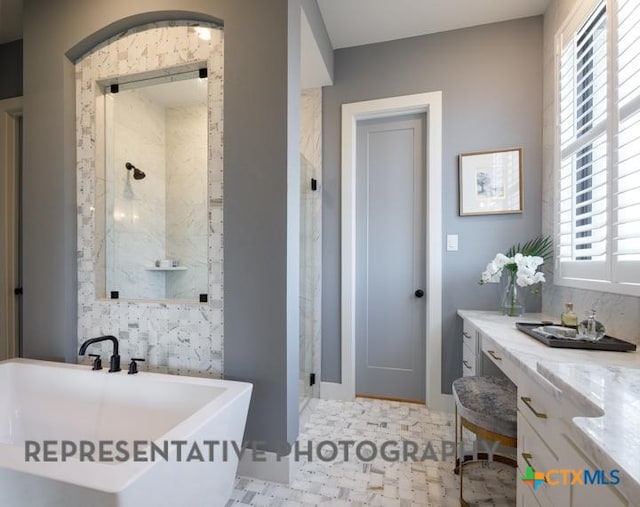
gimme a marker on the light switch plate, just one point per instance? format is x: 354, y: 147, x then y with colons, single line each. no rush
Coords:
x: 452, y: 242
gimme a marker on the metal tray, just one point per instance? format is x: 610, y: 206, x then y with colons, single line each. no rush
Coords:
x: 606, y: 343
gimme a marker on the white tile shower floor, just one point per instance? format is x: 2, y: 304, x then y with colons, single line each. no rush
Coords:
x: 379, y: 482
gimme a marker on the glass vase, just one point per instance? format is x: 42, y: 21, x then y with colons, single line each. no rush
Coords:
x: 512, y: 300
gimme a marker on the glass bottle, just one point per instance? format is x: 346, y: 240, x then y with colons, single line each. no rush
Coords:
x: 591, y: 329
x: 568, y: 317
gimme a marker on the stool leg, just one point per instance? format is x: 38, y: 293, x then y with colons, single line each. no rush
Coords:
x: 461, y: 466
x: 455, y: 424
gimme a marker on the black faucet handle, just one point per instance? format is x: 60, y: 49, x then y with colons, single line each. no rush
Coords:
x: 133, y: 365
x: 97, y: 362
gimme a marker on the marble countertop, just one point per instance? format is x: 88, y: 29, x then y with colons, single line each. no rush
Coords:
x: 606, y: 385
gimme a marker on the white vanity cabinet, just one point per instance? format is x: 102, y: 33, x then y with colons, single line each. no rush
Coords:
x: 605, y: 495
x: 470, y: 341
x: 474, y: 362
x: 525, y: 496
x: 494, y: 360
x: 545, y: 444
x: 540, y: 425
x: 547, y: 433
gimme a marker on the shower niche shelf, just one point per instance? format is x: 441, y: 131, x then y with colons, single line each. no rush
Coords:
x: 179, y: 268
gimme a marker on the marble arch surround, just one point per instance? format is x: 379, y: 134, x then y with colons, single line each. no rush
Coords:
x: 174, y: 337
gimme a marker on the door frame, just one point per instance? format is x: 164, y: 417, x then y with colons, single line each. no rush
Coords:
x: 431, y: 105
x: 10, y: 111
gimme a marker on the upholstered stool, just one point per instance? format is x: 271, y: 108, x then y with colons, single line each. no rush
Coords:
x: 486, y: 406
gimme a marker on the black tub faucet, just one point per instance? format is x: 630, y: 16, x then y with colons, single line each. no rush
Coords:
x: 115, y: 358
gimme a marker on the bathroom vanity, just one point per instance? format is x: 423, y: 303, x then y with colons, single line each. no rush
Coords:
x: 577, y: 410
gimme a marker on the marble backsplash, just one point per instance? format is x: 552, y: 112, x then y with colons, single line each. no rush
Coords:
x: 174, y: 337
x: 619, y: 314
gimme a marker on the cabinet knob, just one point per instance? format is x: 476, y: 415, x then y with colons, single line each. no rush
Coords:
x: 419, y: 293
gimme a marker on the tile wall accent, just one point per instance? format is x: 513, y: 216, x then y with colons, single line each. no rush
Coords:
x: 174, y: 337
x: 310, y: 239
x: 618, y: 313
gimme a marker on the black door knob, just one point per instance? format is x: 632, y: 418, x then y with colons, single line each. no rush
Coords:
x: 419, y: 293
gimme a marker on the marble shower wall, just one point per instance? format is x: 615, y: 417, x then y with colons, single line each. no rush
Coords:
x: 310, y: 239
x: 136, y: 209
x: 618, y: 313
x: 174, y: 337
x: 163, y: 216
x: 186, y: 218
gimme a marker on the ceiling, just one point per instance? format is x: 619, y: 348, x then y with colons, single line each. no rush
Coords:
x: 358, y: 22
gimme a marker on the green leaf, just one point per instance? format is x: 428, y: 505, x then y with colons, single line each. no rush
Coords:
x: 542, y: 246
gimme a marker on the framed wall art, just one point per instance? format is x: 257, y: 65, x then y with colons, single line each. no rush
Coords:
x: 490, y: 182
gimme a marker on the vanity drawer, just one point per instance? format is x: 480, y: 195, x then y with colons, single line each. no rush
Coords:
x: 470, y: 336
x: 525, y: 496
x: 469, y: 361
x: 497, y: 357
x: 541, y: 409
x: 534, y: 452
x: 590, y: 494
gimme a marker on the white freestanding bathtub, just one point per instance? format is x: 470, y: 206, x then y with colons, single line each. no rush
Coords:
x: 44, y: 402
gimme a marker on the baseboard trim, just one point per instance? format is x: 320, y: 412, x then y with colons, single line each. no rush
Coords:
x: 272, y: 468
x: 334, y: 391
x: 337, y: 391
x: 389, y: 398
x: 443, y: 403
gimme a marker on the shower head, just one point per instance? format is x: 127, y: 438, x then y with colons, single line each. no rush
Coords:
x: 137, y: 173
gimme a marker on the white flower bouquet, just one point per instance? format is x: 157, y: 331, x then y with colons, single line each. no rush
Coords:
x: 522, y: 263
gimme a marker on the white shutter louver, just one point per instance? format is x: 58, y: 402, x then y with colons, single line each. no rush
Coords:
x: 583, y: 222
x: 598, y: 148
x: 626, y: 240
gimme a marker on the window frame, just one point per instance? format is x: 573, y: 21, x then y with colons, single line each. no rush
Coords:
x: 578, y: 276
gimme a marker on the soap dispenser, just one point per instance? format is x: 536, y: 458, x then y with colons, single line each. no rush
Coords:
x: 568, y: 317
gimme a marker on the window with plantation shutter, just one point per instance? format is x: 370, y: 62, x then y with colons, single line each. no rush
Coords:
x: 597, y: 218
x: 626, y: 219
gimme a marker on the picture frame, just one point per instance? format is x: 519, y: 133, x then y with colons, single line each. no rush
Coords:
x: 490, y: 182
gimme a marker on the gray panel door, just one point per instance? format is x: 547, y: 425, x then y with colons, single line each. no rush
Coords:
x: 390, y: 258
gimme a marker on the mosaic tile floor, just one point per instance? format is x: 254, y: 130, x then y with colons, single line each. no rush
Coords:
x: 378, y: 482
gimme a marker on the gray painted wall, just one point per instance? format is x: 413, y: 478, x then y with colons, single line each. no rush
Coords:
x: 11, y: 69
x: 314, y: 16
x: 261, y: 330
x: 491, y: 79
